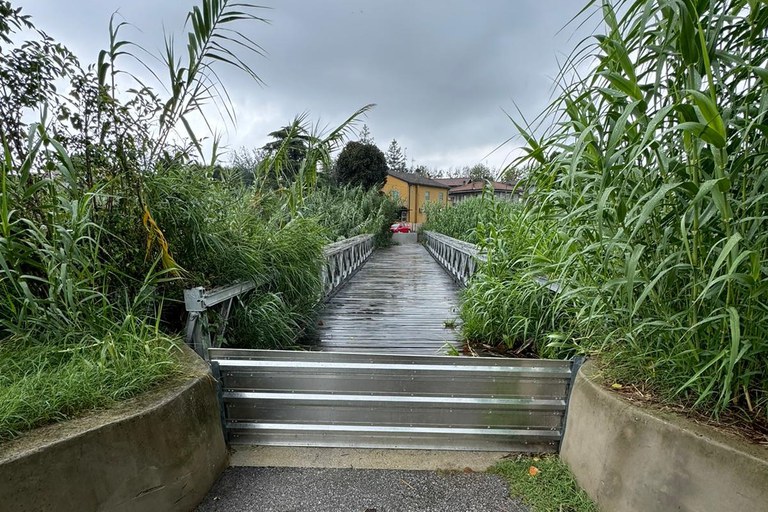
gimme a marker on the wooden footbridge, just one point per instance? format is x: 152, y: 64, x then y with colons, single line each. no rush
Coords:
x: 400, y: 302
x: 379, y: 374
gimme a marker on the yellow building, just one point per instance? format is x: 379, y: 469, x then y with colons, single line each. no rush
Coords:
x: 413, y: 191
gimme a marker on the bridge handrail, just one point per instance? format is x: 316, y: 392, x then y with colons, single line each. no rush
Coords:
x: 459, y: 245
x: 341, y: 245
x: 460, y: 259
x: 341, y: 260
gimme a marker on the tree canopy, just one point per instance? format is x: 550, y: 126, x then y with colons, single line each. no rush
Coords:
x: 480, y: 172
x: 361, y: 164
x: 365, y: 135
x: 395, y: 157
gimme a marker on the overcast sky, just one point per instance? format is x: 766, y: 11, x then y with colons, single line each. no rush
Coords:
x: 441, y: 72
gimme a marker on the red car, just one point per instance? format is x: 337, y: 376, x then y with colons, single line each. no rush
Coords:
x: 400, y: 227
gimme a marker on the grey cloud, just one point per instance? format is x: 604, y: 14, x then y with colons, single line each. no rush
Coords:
x: 439, y: 71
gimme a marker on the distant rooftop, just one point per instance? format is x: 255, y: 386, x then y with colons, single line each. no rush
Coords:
x: 417, y: 179
x: 478, y: 185
x: 453, y: 182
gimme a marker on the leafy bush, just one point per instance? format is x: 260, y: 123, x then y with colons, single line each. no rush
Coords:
x: 361, y: 164
x: 71, y: 338
x: 222, y: 233
x: 216, y: 232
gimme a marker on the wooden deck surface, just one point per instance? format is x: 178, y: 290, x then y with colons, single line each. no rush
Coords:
x: 397, y: 303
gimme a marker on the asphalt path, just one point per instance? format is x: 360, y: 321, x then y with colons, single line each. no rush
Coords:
x: 244, y: 489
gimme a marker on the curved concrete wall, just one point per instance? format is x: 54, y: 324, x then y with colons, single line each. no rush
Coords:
x: 160, y: 452
x: 631, y: 459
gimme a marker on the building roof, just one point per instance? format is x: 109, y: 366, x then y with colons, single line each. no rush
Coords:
x: 477, y: 186
x: 453, y: 182
x: 417, y: 179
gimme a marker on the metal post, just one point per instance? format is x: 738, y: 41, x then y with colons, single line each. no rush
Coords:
x: 576, y: 364
x: 216, y: 371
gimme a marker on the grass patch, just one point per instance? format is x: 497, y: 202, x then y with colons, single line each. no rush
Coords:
x: 43, y: 383
x: 551, y: 489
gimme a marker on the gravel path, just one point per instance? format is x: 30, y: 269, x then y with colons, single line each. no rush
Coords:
x: 357, y: 490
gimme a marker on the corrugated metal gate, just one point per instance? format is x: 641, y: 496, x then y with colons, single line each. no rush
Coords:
x: 337, y: 399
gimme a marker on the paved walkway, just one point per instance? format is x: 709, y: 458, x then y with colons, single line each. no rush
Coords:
x: 357, y: 490
x: 399, y: 302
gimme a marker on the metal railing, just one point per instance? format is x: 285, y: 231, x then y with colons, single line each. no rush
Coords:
x: 460, y: 259
x: 342, y: 260
x: 393, y: 401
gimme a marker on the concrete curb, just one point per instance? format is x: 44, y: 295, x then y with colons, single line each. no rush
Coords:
x: 630, y: 459
x: 362, y: 458
x: 158, y: 452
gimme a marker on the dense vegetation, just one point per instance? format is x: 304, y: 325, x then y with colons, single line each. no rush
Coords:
x: 470, y: 220
x: 344, y: 212
x: 650, y: 209
x: 107, y: 212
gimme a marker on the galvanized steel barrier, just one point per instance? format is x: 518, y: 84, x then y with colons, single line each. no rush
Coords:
x: 460, y: 259
x: 342, y: 260
x: 393, y: 401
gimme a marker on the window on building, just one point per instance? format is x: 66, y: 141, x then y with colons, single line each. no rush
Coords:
x: 426, y: 195
x: 395, y: 195
x: 440, y: 197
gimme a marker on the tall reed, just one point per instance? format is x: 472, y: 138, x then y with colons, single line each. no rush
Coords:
x: 462, y: 219
x: 652, y: 178
x: 345, y: 212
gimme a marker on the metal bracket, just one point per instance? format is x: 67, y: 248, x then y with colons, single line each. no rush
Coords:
x: 198, y: 301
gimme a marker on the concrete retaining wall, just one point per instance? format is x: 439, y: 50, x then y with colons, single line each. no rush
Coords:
x: 630, y: 459
x: 160, y: 452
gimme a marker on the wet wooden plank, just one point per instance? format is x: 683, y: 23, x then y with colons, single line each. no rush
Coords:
x: 399, y: 302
